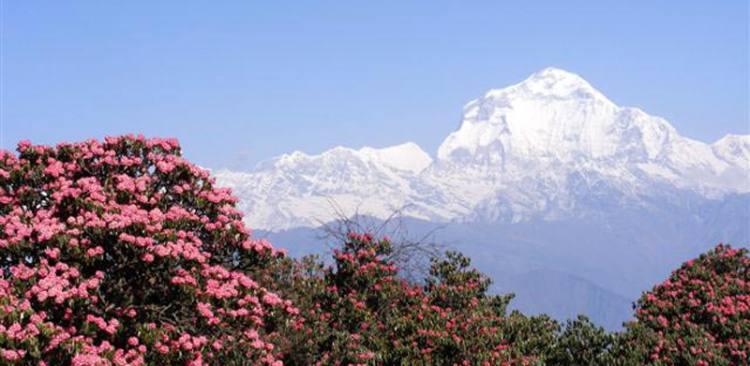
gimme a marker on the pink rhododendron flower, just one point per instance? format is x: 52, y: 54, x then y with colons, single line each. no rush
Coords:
x: 109, y: 247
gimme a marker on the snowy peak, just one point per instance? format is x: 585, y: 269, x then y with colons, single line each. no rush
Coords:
x: 407, y: 157
x: 553, y: 113
x: 554, y: 82
x: 555, y: 123
x: 550, y: 84
x: 303, y: 190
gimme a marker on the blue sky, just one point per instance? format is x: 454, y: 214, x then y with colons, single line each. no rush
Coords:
x: 239, y: 82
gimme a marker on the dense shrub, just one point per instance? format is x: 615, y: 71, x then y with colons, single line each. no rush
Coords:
x: 124, y: 253
x: 581, y: 343
x: 699, y: 316
x: 358, y: 311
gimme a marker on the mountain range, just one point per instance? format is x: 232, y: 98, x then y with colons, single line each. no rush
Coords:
x: 565, y: 198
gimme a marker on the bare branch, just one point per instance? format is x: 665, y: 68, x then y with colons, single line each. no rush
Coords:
x: 409, y: 253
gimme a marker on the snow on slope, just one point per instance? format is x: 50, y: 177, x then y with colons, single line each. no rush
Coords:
x: 735, y: 149
x: 297, y: 189
x: 407, y: 157
x: 549, y: 147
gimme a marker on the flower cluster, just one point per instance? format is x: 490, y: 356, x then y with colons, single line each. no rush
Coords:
x: 121, y: 252
x: 699, y: 316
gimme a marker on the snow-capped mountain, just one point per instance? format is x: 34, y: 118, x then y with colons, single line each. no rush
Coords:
x: 300, y: 190
x: 561, y: 196
x: 549, y: 147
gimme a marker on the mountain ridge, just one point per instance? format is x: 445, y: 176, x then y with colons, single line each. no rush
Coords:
x: 532, y: 149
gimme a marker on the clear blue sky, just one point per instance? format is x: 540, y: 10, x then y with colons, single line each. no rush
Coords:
x: 238, y: 82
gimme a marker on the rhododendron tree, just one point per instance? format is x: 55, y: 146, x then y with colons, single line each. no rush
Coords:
x: 699, y: 316
x: 360, y: 312
x: 123, y: 253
